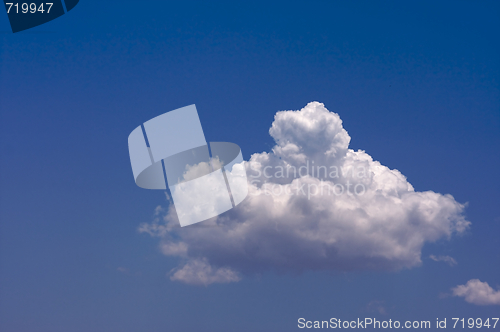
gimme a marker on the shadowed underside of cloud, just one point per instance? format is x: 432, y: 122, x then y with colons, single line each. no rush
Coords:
x: 477, y: 292
x: 288, y: 223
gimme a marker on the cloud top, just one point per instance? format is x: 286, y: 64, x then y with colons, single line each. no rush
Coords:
x: 296, y: 217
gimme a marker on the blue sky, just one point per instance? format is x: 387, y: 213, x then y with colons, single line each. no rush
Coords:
x: 416, y: 86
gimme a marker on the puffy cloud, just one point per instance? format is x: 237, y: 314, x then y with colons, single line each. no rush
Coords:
x: 477, y: 292
x: 313, y: 204
x: 447, y: 259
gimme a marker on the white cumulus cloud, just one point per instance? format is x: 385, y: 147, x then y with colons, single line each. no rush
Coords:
x: 477, y: 292
x: 313, y: 204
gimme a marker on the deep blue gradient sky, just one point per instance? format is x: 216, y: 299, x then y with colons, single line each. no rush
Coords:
x: 417, y: 86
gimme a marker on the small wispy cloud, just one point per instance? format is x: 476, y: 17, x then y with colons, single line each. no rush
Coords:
x: 199, y: 272
x: 477, y: 292
x: 447, y: 259
x: 376, y: 306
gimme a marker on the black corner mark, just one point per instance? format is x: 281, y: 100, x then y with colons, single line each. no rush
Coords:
x: 26, y: 14
x: 70, y: 4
